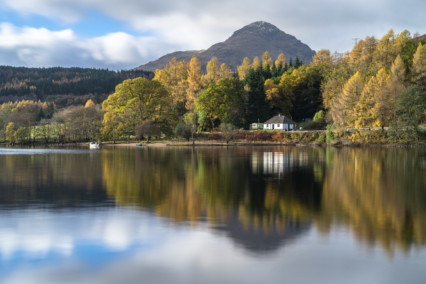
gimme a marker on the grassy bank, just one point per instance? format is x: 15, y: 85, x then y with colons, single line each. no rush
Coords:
x: 271, y: 137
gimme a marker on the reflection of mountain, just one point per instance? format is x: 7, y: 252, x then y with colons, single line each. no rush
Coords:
x: 262, y: 239
x: 220, y: 186
x: 53, y: 180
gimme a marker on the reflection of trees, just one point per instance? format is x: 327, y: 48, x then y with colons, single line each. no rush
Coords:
x: 379, y: 193
x: 186, y: 184
x: 58, y: 180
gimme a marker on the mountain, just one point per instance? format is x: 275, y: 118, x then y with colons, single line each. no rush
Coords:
x: 250, y: 41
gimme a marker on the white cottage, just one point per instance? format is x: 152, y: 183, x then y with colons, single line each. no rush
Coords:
x: 280, y: 122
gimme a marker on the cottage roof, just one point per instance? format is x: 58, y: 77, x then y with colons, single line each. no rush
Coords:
x: 280, y: 119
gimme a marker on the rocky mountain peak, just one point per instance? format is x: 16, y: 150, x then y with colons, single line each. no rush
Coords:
x: 250, y: 41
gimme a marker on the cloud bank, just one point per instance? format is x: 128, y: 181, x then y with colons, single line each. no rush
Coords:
x: 161, y: 26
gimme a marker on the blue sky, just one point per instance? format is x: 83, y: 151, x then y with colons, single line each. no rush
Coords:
x: 127, y: 33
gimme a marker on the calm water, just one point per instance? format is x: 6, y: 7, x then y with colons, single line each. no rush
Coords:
x: 213, y: 215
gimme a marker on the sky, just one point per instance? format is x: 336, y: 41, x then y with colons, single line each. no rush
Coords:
x: 127, y: 33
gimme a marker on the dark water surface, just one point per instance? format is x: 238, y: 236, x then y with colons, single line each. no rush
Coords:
x: 213, y: 215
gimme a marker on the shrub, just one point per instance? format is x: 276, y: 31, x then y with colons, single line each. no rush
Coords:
x: 329, y: 134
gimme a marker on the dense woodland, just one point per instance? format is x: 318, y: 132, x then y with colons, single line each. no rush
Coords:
x: 62, y: 86
x: 381, y: 83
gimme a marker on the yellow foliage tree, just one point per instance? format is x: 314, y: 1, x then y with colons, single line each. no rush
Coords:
x: 89, y: 103
x: 343, y: 110
x: 174, y: 78
x: 256, y: 63
x: 280, y: 60
x: 244, y: 68
x: 419, y: 66
x: 194, y: 83
x: 322, y: 57
x: 266, y: 60
x: 212, y: 68
x: 225, y: 71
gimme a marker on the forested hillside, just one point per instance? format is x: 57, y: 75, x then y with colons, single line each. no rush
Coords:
x: 62, y: 86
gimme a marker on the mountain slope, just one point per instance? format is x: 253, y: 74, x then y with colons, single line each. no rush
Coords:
x: 250, y: 41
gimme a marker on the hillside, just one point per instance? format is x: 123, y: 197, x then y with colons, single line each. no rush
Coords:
x: 63, y: 86
x: 250, y: 41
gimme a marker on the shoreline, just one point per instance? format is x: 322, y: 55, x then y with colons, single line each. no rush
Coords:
x: 167, y: 143
x: 259, y: 144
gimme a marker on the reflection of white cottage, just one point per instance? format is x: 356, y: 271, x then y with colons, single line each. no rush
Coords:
x: 280, y: 122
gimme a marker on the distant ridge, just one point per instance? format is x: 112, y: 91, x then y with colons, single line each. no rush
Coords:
x: 249, y: 41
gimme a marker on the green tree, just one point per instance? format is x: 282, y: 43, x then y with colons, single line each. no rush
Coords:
x: 209, y: 103
x: 222, y: 102
x: 409, y: 109
x: 10, y: 132
x: 138, y: 100
x: 257, y: 106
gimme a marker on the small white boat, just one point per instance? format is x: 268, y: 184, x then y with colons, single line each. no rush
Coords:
x: 93, y: 145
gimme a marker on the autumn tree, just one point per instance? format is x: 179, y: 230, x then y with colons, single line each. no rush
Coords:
x: 194, y: 83
x: 225, y: 71
x: 266, y: 60
x: 419, y: 66
x: 256, y: 63
x: 280, y: 60
x: 366, y: 115
x: 212, y: 71
x: 280, y: 97
x: 80, y: 123
x: 244, y: 68
x: 322, y: 58
x: 135, y: 101
x: 90, y: 103
x: 174, y: 78
x: 343, y: 108
x: 389, y: 91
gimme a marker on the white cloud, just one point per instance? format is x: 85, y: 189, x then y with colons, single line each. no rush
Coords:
x: 43, y: 48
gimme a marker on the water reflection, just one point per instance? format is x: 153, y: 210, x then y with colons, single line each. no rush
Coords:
x: 261, y: 198
x: 379, y: 194
x: 50, y: 178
